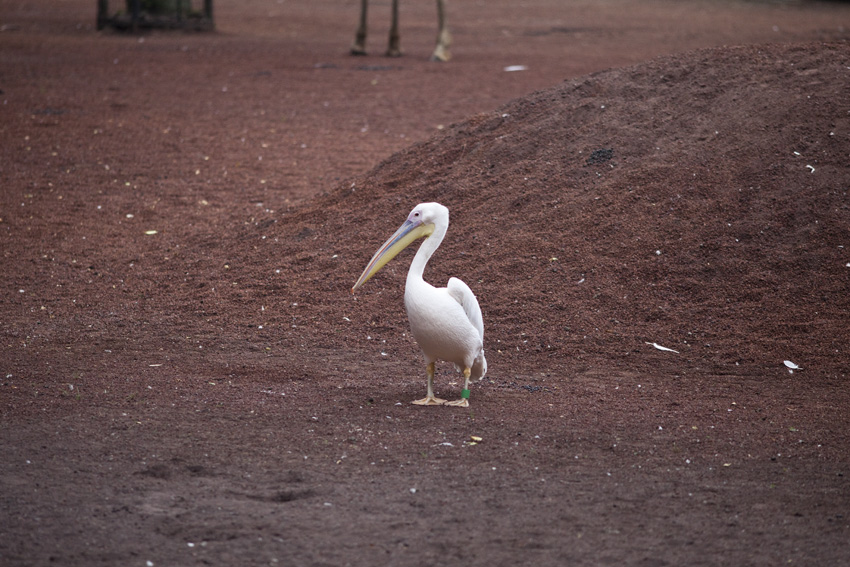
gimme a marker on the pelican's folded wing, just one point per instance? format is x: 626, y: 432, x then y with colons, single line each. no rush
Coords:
x: 463, y: 295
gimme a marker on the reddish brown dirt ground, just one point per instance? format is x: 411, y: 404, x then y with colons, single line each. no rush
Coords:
x: 186, y: 379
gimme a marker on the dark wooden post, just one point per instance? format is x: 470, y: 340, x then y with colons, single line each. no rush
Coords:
x: 102, y: 13
x: 179, y: 15
x: 136, y: 8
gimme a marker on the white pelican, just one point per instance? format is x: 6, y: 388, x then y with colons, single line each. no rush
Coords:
x: 446, y: 322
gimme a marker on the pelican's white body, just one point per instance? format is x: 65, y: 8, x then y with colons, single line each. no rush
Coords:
x: 441, y: 320
x: 446, y: 322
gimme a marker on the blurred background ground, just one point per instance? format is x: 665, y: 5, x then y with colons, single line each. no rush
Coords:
x: 186, y: 380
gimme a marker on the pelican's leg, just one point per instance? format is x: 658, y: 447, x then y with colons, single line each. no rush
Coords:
x: 463, y: 402
x: 429, y: 399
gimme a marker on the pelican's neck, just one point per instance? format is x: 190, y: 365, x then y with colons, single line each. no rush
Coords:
x: 426, y: 249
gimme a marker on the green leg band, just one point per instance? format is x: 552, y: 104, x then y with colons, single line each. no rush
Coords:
x: 464, y: 394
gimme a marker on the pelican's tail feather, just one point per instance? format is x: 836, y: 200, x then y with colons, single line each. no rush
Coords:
x: 463, y: 295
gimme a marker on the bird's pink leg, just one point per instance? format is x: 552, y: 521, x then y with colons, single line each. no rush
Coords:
x: 429, y: 399
x: 463, y: 402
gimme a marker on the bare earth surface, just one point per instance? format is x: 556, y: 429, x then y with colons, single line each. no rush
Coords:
x: 187, y: 380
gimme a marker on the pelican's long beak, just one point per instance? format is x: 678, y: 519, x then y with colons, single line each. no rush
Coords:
x: 403, y: 237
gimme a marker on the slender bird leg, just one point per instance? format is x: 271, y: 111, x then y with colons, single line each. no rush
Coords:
x: 394, y: 49
x: 444, y: 38
x: 429, y: 399
x: 359, y: 46
x: 463, y: 402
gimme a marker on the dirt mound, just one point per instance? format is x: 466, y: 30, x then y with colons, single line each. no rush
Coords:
x: 697, y: 201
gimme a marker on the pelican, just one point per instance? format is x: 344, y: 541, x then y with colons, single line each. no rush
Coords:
x: 446, y: 321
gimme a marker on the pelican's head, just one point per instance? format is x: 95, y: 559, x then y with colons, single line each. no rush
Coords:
x: 422, y: 221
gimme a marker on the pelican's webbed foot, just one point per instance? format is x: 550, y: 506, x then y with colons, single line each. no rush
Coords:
x: 429, y: 401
